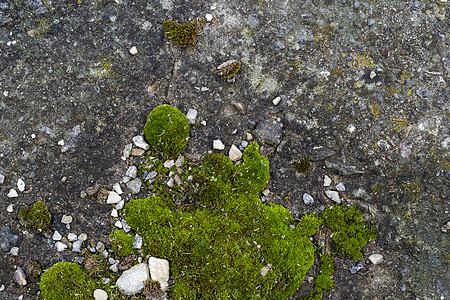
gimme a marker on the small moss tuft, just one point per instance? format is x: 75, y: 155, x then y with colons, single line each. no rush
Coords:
x: 37, y: 216
x: 253, y: 173
x: 184, y: 34
x: 121, y: 242
x: 350, y: 232
x: 303, y: 165
x: 66, y: 280
x: 309, y: 224
x: 167, y: 130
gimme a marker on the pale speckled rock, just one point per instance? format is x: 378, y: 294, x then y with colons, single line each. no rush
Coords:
x: 113, y: 198
x: 2, y: 178
x: 19, y: 277
x: 326, y: 181
x: 20, y: 185
x: 333, y: 195
x: 134, y: 185
x: 235, y: 153
x: 376, y: 258
x: 57, y: 236
x: 340, y: 187
x: 307, y: 199
x: 100, y: 295
x: 117, y: 188
x: 159, y: 271
x: 12, y: 193
x: 132, y: 281
x: 131, y: 172
x: 218, y: 145
x: 60, y: 246
x: 169, y: 164
x: 191, y: 116
x: 140, y: 142
x: 66, y: 219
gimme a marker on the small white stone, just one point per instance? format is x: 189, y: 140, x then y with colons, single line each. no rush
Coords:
x: 276, y: 101
x: 191, y: 116
x: 100, y: 295
x: 217, y: 144
x: 137, y: 244
x: 82, y: 237
x: 66, y: 219
x: 307, y: 199
x: 133, y: 50
x: 76, y: 246
x: 14, y: 251
x: 12, y: 193
x: 118, y: 224
x: 169, y: 164
x: 10, y: 208
x: 114, y: 213
x: 20, y: 185
x: 180, y: 161
x: 133, y: 280
x: 244, y: 144
x: 372, y: 74
x: 113, y: 198
x: 57, y: 236
x: 2, y: 288
x: 204, y: 89
x: 60, y: 246
x: 203, y: 123
x: 265, y: 269
x: 351, y: 128
x: 159, y: 271
x: 235, y: 153
x: 19, y: 277
x: 72, y: 237
x: 131, y: 172
x: 170, y: 182
x: 114, y: 267
x: 326, y: 181
x: 333, y: 195
x: 120, y: 204
x: 248, y: 136
x: 117, y: 188
x: 140, y: 142
x: 376, y: 258
x: 127, y: 150
x: 340, y: 187
x: 61, y: 142
x: 208, y: 17
x: 2, y: 178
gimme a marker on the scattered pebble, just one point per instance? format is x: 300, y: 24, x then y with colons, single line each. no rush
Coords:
x: 208, y: 17
x: 76, y: 246
x: 113, y: 198
x: 376, y: 258
x: 333, y: 195
x: 203, y: 123
x: 140, y: 142
x: 134, y: 185
x: 82, y: 237
x: 218, y: 145
x: 20, y: 185
x: 307, y: 199
x: 137, y: 244
x: 276, y: 101
x: 12, y: 193
x: 72, y: 237
x: 133, y: 50
x: 354, y: 269
x: 98, y: 293
x: 19, y: 277
x: 131, y: 172
x: 14, y: 251
x: 170, y: 182
x: 326, y: 181
x: 60, y: 246
x: 169, y: 163
x: 177, y: 180
x: 66, y: 219
x: 100, y: 247
x: 235, y: 153
x: 151, y: 175
x: 114, y: 267
x: 340, y: 187
x: 10, y: 208
x: 118, y: 224
x: 2, y: 178
x: 351, y: 128
x: 120, y: 204
x: 191, y: 116
x: 2, y: 288
x: 57, y: 236
x: 372, y: 74
x: 127, y: 150
x: 61, y: 142
x: 117, y: 188
x: 180, y: 161
x: 265, y: 269
x: 114, y: 213
x: 133, y: 280
x: 159, y: 271
x: 446, y: 227
x: 137, y: 152
x: 106, y: 280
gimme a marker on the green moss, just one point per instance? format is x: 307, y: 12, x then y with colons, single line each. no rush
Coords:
x: 183, y: 34
x: 220, y: 240
x: 316, y: 294
x: 326, y: 270
x: 121, y: 242
x: 37, y: 216
x: 66, y: 280
x: 167, y: 130
x: 309, y: 224
x: 350, y: 232
x: 303, y: 165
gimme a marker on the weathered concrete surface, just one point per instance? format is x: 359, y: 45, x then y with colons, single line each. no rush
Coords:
x: 364, y: 89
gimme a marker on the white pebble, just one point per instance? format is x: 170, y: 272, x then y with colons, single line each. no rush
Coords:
x: 10, y: 208
x: 127, y: 150
x: 340, y: 187
x: 57, y: 236
x: 66, y: 219
x: 117, y: 188
x: 120, y: 204
x: 82, y: 237
x: 2, y: 178
x: 72, y: 237
x: 140, y: 142
x: 113, y: 198
x: 326, y: 181
x: 20, y: 185
x: 208, y: 17
x: 376, y: 258
x: 169, y: 164
x: 191, y: 116
x: 351, y: 128
x: 14, y: 251
x: 60, y: 246
x: 203, y: 123
x: 133, y: 50
x: 333, y: 195
x: 217, y: 144
x: 307, y: 199
x: 204, y: 89
x: 61, y: 142
x: 372, y: 74
x: 118, y: 224
x: 276, y: 101
x: 100, y: 295
x: 76, y: 246
x: 131, y: 172
x: 114, y: 213
x: 235, y: 153
x: 170, y: 182
x: 12, y: 193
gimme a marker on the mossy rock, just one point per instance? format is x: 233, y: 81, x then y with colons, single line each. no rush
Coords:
x: 66, y: 280
x: 167, y: 130
x: 121, y: 242
x: 37, y: 216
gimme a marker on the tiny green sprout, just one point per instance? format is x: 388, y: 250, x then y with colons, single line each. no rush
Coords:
x: 303, y: 165
x: 184, y: 34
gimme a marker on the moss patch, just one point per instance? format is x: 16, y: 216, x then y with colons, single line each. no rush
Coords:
x: 66, y: 280
x: 121, y: 242
x: 37, y: 216
x: 183, y: 34
x: 167, y: 130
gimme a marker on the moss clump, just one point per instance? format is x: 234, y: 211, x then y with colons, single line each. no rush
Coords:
x: 309, y: 224
x: 167, y: 130
x: 183, y: 34
x: 218, y: 242
x: 66, y: 280
x: 326, y: 270
x: 303, y: 165
x: 350, y: 232
x: 37, y: 216
x: 121, y: 242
